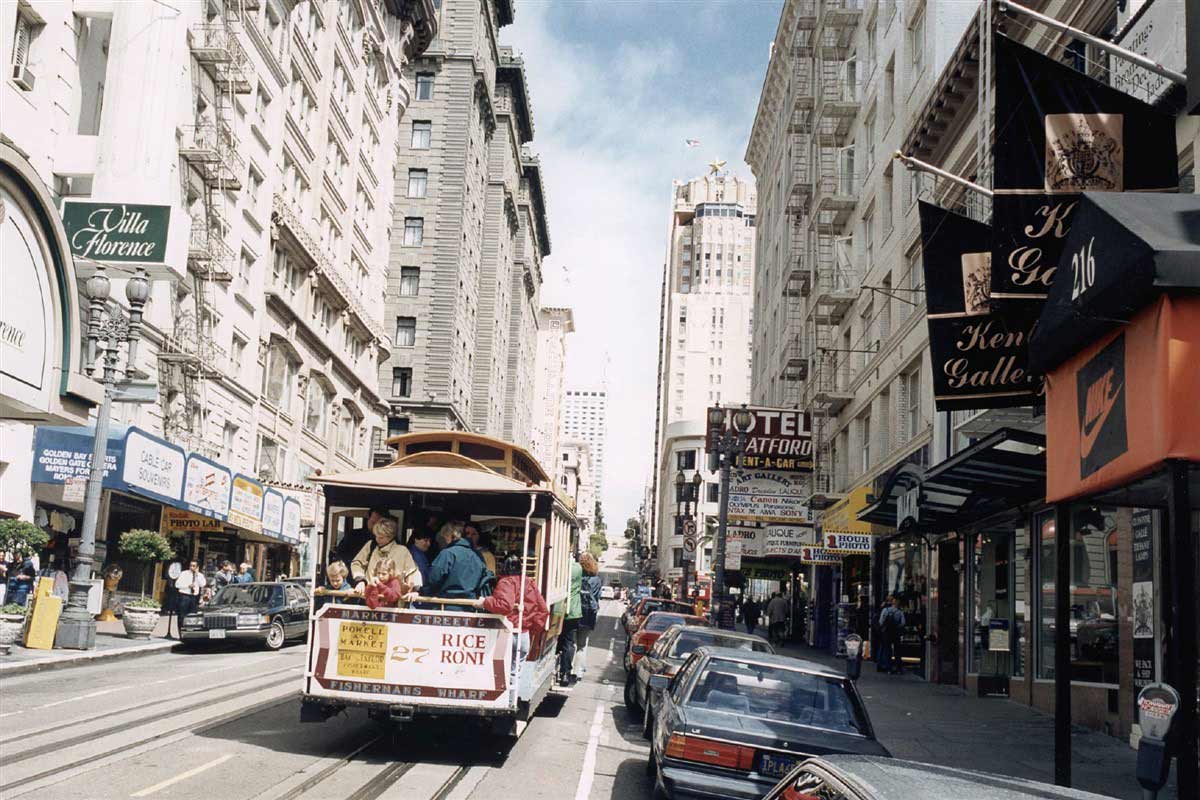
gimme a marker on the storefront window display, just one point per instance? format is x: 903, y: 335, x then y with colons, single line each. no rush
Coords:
x: 907, y: 578
x: 998, y: 600
x: 1094, y: 575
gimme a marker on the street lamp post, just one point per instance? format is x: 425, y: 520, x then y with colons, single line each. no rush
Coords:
x: 107, y: 329
x: 685, y: 494
x: 725, y: 449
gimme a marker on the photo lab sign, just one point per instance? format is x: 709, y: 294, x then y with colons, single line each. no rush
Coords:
x: 117, y: 231
x: 779, y: 439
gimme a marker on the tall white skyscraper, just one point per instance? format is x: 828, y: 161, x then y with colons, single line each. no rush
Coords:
x: 585, y: 417
x: 553, y: 326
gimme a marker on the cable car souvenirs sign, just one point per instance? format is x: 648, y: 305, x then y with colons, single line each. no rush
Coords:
x: 779, y: 439
x: 1059, y: 133
x: 979, y: 356
x: 417, y: 657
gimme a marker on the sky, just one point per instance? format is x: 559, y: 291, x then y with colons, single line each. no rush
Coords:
x: 616, y: 88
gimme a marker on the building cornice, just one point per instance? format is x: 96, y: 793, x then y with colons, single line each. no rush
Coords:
x: 774, y: 88
x: 511, y: 70
x: 531, y: 169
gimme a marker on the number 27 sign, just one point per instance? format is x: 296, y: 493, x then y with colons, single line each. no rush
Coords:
x: 848, y: 542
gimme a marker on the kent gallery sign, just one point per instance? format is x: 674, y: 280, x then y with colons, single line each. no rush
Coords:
x: 779, y: 439
x: 117, y: 231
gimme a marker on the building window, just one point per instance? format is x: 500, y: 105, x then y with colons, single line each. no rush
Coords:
x: 686, y: 459
x: 889, y: 92
x: 238, y: 351
x: 912, y: 393
x: 864, y: 428
x: 316, y: 406
x: 402, y: 382
x: 425, y: 86
x: 422, y: 133
x: 346, y: 425
x: 269, y: 464
x: 414, y: 231
x: 713, y: 492
x: 279, y: 377
x: 406, y: 331
x: 916, y: 45
x: 228, y: 437
x: 418, y: 182
x: 410, y: 281
x: 677, y: 557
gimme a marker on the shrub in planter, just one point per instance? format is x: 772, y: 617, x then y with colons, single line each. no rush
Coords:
x: 146, y: 547
x: 12, y: 620
x: 21, y: 537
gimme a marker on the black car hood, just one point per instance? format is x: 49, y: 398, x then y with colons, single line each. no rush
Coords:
x: 775, y: 734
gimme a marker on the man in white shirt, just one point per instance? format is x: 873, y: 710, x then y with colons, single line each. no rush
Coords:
x: 190, y: 584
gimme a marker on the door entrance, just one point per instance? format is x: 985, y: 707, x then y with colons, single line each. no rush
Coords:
x: 947, y: 612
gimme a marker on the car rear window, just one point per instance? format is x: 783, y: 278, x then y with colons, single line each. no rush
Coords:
x: 660, y: 622
x: 690, y: 640
x: 777, y: 693
x: 245, y: 596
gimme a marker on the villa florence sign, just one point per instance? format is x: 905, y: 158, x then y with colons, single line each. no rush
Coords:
x: 117, y: 231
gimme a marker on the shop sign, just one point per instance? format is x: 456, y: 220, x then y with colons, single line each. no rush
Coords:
x: 747, y: 539
x: 779, y: 439
x: 855, y: 543
x: 819, y: 555
x: 291, y: 521
x: 1144, y: 608
x: 62, y: 454
x: 766, y: 572
x: 206, y: 487
x: 312, y: 503
x: 767, y: 496
x: 998, y: 638
x: 1158, y: 34
x: 153, y: 467
x: 74, y: 490
x: 26, y: 316
x: 246, y: 507
x: 772, y: 541
x: 117, y: 231
x: 176, y: 520
x: 842, y: 516
x: 733, y: 555
x: 272, y: 513
x: 908, y: 506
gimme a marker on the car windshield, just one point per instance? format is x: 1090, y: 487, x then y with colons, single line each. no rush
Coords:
x: 659, y: 605
x: 690, y: 640
x: 245, y: 596
x: 660, y: 622
x: 776, y: 693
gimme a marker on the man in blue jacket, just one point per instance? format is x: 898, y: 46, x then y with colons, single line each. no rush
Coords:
x: 458, y: 571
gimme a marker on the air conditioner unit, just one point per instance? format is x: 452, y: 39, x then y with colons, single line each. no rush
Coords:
x: 22, y: 77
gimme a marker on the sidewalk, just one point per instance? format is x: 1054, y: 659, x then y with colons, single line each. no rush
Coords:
x: 111, y: 643
x: 940, y: 724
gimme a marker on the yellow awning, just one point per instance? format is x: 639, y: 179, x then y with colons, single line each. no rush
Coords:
x: 842, y: 516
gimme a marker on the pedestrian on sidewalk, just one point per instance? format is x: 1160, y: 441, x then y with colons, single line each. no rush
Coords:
x: 566, y: 639
x: 223, y: 577
x: 245, y: 574
x: 777, y: 614
x: 589, y: 596
x: 891, y: 623
x: 190, y: 584
x: 750, y: 614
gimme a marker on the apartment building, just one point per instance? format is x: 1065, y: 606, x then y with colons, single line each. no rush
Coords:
x: 585, y: 418
x: 266, y: 128
x: 838, y: 283
x: 704, y: 339
x: 469, y: 234
x: 576, y: 480
x: 554, y: 324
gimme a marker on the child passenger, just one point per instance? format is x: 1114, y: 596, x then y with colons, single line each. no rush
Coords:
x: 336, y: 579
x: 385, y: 587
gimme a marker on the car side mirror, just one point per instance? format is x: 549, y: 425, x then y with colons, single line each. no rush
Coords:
x: 660, y: 683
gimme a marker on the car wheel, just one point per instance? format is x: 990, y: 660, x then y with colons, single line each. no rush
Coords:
x: 276, y: 636
x: 631, y: 702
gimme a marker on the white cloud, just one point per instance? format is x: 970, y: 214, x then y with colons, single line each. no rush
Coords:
x: 610, y: 124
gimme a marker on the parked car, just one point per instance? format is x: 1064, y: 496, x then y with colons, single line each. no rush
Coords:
x: 267, y: 613
x: 607, y: 593
x: 870, y: 778
x: 669, y: 654
x: 644, y: 637
x: 643, y: 608
x: 731, y: 723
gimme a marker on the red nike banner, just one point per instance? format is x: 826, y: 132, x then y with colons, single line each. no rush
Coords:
x: 1121, y: 406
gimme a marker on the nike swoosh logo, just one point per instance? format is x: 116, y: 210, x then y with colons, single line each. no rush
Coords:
x: 1091, y: 432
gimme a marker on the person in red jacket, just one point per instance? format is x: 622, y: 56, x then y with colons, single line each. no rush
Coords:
x: 505, y: 599
x: 386, y: 588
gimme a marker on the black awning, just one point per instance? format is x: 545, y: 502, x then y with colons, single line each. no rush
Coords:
x: 1004, y: 470
x: 1124, y: 249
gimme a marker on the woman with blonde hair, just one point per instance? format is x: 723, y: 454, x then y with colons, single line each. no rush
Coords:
x: 589, y: 595
x: 384, y: 545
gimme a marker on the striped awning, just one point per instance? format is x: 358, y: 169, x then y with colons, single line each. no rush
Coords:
x: 1004, y: 470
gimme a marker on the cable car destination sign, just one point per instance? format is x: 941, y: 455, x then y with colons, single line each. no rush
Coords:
x: 779, y: 439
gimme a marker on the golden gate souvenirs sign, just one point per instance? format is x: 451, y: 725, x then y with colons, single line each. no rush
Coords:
x: 416, y: 657
x: 1059, y: 133
x: 779, y: 439
x: 979, y: 354
x: 767, y: 496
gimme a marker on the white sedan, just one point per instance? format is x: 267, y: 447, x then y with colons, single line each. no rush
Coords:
x: 607, y: 593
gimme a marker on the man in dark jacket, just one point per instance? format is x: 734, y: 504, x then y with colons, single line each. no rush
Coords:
x: 458, y: 571
x: 353, y: 540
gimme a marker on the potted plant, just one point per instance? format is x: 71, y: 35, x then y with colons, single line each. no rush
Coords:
x: 145, y: 547
x: 12, y: 620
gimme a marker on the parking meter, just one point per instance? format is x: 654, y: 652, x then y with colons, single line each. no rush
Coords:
x: 853, y: 656
x: 1156, y: 707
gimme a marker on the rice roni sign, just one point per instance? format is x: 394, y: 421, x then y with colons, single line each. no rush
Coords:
x: 421, y: 658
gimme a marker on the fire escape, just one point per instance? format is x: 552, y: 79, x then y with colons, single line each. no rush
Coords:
x: 831, y: 286
x: 210, y: 169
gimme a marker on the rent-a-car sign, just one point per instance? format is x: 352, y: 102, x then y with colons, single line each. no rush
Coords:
x: 779, y: 439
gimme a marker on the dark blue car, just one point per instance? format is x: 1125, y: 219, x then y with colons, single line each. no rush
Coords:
x: 731, y: 723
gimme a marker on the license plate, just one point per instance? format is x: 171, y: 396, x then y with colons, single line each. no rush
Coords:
x: 776, y: 766
x: 216, y: 633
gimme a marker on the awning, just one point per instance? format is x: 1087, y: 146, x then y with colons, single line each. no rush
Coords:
x: 1004, y: 470
x: 843, y: 516
x: 1123, y: 251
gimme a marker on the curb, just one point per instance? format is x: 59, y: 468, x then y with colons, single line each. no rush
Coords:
x: 85, y: 658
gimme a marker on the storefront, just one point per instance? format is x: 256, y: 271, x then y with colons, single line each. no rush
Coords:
x: 41, y: 378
